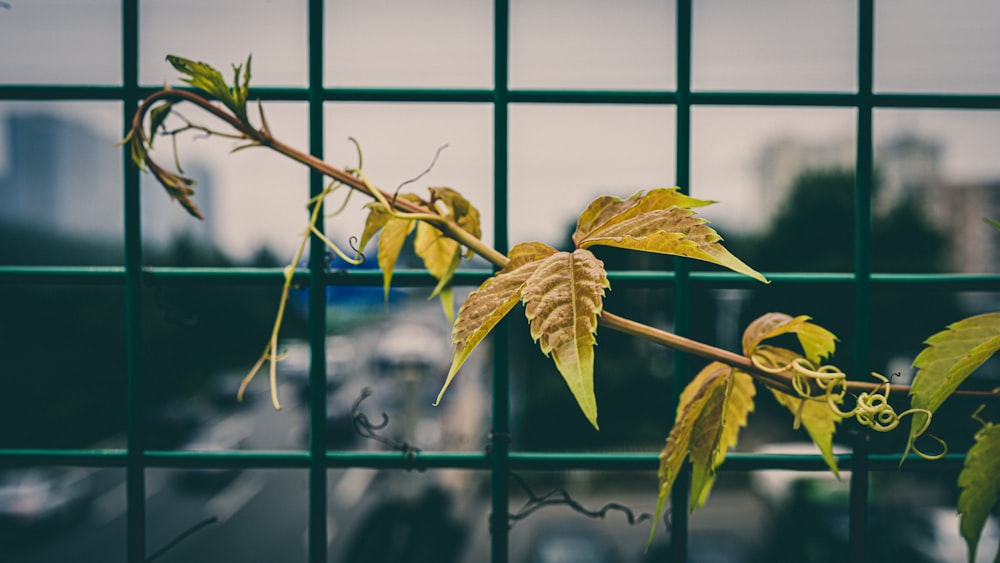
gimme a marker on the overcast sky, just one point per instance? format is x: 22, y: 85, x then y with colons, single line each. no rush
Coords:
x: 560, y: 157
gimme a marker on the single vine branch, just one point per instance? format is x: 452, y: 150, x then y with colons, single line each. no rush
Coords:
x: 262, y: 137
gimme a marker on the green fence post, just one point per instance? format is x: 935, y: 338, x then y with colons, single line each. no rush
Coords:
x: 135, y: 477
x: 317, y: 302
x: 862, y: 268
x: 682, y: 286
x: 500, y: 431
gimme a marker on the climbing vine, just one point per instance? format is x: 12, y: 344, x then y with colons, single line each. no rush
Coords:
x: 563, y: 294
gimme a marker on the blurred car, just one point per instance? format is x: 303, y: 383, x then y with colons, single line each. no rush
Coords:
x: 411, y: 345
x: 944, y: 543
x: 571, y: 542
x: 708, y: 546
x: 341, y: 363
x: 40, y: 498
x: 776, y: 486
x: 230, y: 434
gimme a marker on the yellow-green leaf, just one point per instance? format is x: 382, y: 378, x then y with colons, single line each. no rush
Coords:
x: 448, y: 303
x: 950, y: 356
x: 201, y: 75
x: 157, y: 116
x: 607, y: 210
x: 394, y: 233
x: 689, y: 408
x: 817, y: 342
x: 563, y: 298
x: 378, y: 215
x: 527, y: 252
x: 377, y: 218
x: 460, y: 210
x: 204, y: 77
x: 980, y: 484
x: 672, y: 230
x: 441, y: 255
x: 241, y: 90
x: 717, y: 430
x: 486, y: 306
x: 819, y: 420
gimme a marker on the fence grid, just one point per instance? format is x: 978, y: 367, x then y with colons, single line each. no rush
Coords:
x: 498, y: 460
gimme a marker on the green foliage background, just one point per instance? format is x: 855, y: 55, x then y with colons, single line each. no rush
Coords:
x: 64, y: 346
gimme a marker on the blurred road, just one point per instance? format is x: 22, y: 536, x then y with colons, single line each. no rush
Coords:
x: 261, y: 515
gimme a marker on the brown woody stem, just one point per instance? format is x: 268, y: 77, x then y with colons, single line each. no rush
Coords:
x: 781, y: 381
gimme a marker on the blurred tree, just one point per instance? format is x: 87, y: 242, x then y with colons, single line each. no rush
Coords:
x: 64, y: 373
x: 814, y: 232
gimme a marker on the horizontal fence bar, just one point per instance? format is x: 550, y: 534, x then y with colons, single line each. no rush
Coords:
x: 592, y: 97
x: 114, y: 275
x: 415, y: 95
x: 59, y: 275
x: 35, y: 92
x: 936, y: 101
x: 534, y: 461
x: 735, y: 461
x: 848, y: 100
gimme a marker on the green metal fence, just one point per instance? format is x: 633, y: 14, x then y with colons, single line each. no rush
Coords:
x: 499, y: 459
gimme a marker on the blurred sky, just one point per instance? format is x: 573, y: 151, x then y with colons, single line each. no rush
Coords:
x: 560, y: 157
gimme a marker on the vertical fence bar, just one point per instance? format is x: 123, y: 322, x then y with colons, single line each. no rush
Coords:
x: 500, y: 430
x: 317, y: 303
x: 682, y: 287
x: 135, y: 482
x: 862, y: 266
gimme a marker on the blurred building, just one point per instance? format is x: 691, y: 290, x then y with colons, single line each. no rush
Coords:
x: 782, y: 160
x: 66, y: 179
x: 907, y: 166
x: 959, y: 209
x: 59, y: 180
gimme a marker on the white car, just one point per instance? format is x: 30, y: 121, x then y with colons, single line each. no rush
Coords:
x: 37, y: 497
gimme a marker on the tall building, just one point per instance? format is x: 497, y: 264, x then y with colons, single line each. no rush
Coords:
x: 782, y: 160
x: 905, y: 164
x: 64, y: 178
x: 59, y: 180
x: 959, y: 209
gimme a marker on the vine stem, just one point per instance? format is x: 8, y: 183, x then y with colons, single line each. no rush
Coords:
x: 263, y: 137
